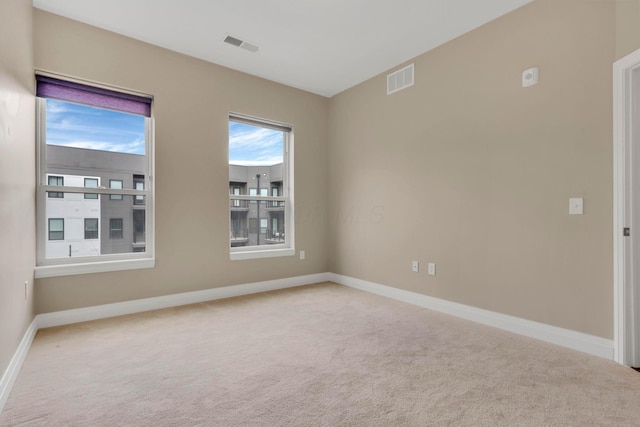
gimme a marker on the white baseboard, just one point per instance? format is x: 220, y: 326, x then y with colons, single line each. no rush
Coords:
x: 586, y: 343
x: 575, y: 340
x: 67, y: 317
x: 11, y: 373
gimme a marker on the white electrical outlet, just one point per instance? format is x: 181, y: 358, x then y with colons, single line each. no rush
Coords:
x: 415, y: 266
x: 431, y: 269
x: 302, y: 255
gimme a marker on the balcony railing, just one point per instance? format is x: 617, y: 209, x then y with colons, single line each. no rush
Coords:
x: 274, y: 236
x: 239, y: 235
x: 239, y: 204
x: 275, y: 205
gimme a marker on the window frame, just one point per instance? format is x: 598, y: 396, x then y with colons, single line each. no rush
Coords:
x: 54, y: 267
x: 287, y: 248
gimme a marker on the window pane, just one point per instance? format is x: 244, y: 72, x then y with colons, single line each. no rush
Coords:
x: 91, y: 228
x: 55, y: 180
x: 93, y: 128
x: 115, y: 228
x: 138, y: 184
x: 56, y: 229
x: 95, y: 148
x: 256, y: 161
x: 117, y: 185
x: 247, y: 229
x: 91, y: 183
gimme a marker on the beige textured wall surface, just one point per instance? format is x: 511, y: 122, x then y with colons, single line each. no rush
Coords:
x: 192, y: 102
x: 17, y: 175
x: 471, y: 171
x: 627, y: 27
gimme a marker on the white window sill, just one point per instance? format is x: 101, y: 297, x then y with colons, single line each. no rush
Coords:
x: 92, y: 267
x: 270, y: 253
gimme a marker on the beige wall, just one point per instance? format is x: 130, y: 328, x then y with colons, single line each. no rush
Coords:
x: 17, y: 175
x: 471, y: 171
x: 466, y: 169
x: 192, y: 102
x: 627, y: 27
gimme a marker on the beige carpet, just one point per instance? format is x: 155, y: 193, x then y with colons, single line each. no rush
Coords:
x: 322, y: 355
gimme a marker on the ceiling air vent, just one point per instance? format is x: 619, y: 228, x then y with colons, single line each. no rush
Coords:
x: 234, y: 41
x: 400, y: 79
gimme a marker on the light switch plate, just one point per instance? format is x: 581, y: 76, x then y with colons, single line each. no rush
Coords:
x: 431, y: 269
x: 576, y: 206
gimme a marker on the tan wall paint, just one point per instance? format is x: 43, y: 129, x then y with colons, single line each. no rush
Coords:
x: 471, y: 171
x: 17, y: 175
x: 192, y: 101
x: 627, y: 27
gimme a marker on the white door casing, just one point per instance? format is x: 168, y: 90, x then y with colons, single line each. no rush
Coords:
x: 626, y: 210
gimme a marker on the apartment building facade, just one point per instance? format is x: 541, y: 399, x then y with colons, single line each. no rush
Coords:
x: 88, y: 224
x: 256, y: 223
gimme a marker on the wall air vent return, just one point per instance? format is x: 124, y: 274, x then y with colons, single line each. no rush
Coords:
x: 400, y: 79
x: 234, y: 41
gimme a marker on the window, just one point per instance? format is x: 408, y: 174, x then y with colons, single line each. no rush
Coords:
x: 57, y: 181
x: 260, y: 159
x: 111, y: 141
x: 115, y: 228
x: 90, y: 183
x: 115, y: 184
x: 138, y: 184
x: 56, y: 228
x: 90, y: 228
x: 236, y: 192
x: 138, y: 228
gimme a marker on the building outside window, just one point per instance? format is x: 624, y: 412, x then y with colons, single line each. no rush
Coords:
x: 115, y: 184
x: 260, y: 159
x: 138, y: 184
x: 57, y: 181
x: 90, y: 228
x: 115, y: 228
x: 111, y: 142
x: 56, y: 228
x: 91, y: 183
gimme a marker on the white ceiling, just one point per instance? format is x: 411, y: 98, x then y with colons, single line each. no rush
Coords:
x: 321, y: 46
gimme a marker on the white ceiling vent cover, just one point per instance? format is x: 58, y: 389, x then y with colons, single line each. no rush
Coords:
x: 400, y: 79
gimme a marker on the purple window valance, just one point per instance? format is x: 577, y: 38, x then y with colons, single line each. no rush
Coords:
x: 49, y: 87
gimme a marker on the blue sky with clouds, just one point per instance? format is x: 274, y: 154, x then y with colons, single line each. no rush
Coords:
x: 80, y: 126
x: 254, y: 146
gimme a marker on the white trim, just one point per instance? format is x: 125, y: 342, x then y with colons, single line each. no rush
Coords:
x: 92, y: 267
x: 102, y: 263
x: 66, y: 317
x: 266, y: 253
x: 11, y: 373
x: 624, y: 305
x: 586, y: 343
x: 575, y: 340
